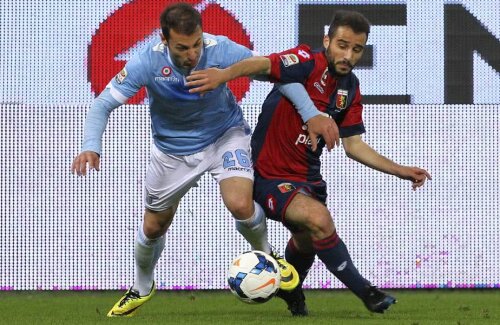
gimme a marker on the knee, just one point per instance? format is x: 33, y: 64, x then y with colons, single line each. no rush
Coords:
x: 156, y: 223
x: 240, y: 207
x: 319, y: 225
x: 152, y: 230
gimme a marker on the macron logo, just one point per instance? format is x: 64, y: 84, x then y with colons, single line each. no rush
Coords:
x: 342, y: 266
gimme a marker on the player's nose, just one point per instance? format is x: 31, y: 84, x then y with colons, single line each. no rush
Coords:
x: 348, y: 55
x: 192, y: 55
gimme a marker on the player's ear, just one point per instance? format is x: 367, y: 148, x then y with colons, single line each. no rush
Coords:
x: 326, y: 41
x: 163, y: 39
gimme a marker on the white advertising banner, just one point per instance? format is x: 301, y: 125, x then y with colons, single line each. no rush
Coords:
x: 431, y: 84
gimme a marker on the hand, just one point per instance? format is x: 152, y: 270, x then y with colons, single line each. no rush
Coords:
x: 325, y: 127
x: 416, y: 175
x: 206, y: 80
x: 79, y: 165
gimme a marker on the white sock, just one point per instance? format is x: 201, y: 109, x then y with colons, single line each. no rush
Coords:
x: 254, y: 229
x: 146, y: 252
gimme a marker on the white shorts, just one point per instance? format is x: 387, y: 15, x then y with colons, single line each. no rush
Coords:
x: 169, y: 177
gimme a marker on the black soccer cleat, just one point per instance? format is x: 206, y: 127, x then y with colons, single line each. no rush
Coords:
x: 295, y: 300
x: 376, y: 300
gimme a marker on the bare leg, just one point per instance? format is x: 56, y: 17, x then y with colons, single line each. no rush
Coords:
x: 237, y: 194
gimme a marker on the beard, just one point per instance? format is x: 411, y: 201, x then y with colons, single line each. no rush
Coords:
x: 332, y: 65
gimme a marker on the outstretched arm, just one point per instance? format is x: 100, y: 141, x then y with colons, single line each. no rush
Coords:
x: 209, y: 79
x: 318, y: 125
x: 95, y: 124
x: 360, y: 151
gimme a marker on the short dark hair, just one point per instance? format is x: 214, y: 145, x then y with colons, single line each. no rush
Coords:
x: 355, y: 20
x: 181, y: 17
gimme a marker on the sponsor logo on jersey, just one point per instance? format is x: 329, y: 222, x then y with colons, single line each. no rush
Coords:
x: 305, y: 139
x: 304, y: 54
x: 286, y: 187
x: 121, y: 76
x: 318, y: 86
x: 271, y: 203
x: 289, y: 59
x: 341, y: 101
x: 324, y: 77
x: 166, y: 72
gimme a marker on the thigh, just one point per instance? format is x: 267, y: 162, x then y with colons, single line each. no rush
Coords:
x: 236, y: 189
x: 230, y: 155
x: 305, y: 211
x: 275, y: 195
x: 169, y: 178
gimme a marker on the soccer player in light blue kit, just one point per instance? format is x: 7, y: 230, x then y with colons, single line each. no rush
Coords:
x: 192, y: 135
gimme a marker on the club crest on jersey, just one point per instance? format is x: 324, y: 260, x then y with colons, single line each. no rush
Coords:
x: 166, y: 71
x: 341, y: 101
x: 289, y: 59
x: 286, y: 187
x: 121, y: 76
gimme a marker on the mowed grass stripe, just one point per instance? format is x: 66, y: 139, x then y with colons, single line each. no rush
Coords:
x: 221, y: 307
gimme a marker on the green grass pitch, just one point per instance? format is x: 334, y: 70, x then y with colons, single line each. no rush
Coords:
x: 416, y: 307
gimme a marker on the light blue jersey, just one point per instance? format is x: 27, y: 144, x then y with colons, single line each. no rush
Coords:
x: 182, y: 123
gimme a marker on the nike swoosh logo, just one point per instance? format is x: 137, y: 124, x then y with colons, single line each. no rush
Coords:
x: 272, y: 281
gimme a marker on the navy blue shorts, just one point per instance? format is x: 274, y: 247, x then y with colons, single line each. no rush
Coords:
x: 274, y: 195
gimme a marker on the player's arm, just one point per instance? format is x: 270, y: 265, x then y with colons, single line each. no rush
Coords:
x: 291, y: 67
x: 209, y: 79
x: 95, y: 124
x: 360, y: 151
x: 122, y: 87
x: 318, y: 124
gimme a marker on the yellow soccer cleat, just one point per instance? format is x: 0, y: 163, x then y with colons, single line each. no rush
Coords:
x: 289, y: 276
x: 127, y: 306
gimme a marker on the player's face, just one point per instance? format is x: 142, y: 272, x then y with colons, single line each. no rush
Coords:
x: 185, y: 50
x: 345, y: 49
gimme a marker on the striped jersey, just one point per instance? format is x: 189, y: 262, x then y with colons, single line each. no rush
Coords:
x: 281, y: 147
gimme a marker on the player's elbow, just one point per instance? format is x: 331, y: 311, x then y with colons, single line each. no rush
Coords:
x: 349, y: 155
x: 348, y: 149
x: 353, y: 147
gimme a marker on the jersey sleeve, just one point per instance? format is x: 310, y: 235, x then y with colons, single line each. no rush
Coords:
x: 298, y: 95
x: 231, y: 52
x: 129, y: 80
x: 96, y: 121
x: 352, y: 122
x: 293, y: 65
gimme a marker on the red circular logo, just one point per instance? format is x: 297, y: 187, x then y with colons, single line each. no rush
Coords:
x: 166, y: 71
x: 136, y: 20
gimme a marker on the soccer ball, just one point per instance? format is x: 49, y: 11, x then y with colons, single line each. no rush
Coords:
x: 254, y: 277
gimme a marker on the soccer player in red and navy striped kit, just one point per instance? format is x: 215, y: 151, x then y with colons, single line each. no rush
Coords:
x: 288, y: 141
